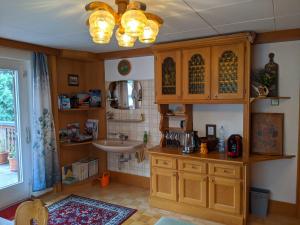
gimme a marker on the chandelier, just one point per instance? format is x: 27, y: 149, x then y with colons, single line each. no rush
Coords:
x: 132, y: 21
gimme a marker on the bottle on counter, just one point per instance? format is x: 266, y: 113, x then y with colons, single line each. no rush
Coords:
x: 222, y: 139
x: 145, y: 138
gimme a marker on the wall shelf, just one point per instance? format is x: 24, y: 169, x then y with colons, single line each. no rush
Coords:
x: 260, y: 158
x: 81, y: 109
x: 71, y: 144
x: 142, y: 119
x: 271, y: 98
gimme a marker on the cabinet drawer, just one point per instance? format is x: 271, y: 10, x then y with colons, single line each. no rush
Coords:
x: 163, y: 162
x: 225, y: 170
x: 192, y: 166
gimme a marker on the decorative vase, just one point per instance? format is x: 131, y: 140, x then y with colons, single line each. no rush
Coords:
x: 13, y: 164
x: 3, y: 157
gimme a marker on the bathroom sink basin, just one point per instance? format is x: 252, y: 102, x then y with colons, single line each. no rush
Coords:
x: 112, y: 145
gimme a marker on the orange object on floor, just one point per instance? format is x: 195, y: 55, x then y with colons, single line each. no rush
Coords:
x: 104, y: 180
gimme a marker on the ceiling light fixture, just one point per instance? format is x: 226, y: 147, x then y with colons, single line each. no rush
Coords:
x: 131, y: 18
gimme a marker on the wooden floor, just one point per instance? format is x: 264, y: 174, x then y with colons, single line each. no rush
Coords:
x: 137, y: 198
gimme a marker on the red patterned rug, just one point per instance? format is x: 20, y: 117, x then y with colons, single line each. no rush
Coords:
x: 76, y: 210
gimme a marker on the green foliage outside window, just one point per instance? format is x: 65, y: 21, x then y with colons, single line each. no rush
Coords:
x: 7, y: 96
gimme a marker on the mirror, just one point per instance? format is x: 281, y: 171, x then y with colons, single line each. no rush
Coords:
x: 125, y: 94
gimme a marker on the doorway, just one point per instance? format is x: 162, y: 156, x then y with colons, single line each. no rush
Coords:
x: 15, y: 155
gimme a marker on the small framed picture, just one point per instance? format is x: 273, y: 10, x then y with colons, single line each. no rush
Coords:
x: 73, y: 80
x: 211, y: 130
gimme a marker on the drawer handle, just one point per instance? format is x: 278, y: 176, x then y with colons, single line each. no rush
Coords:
x: 174, y: 174
x: 212, y: 180
x: 165, y: 163
x: 226, y: 171
x: 194, y: 167
x: 204, y: 179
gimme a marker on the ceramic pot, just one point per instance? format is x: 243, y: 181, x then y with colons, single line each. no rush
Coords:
x: 13, y: 164
x: 3, y: 157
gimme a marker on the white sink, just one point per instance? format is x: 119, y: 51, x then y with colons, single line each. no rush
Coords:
x: 115, y: 145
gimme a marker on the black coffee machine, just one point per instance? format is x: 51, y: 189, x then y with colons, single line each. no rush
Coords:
x: 234, y: 145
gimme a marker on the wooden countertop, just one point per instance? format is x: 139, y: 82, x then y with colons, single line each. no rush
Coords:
x: 176, y: 152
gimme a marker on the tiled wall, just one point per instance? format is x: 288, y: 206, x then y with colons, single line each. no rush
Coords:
x: 135, y: 131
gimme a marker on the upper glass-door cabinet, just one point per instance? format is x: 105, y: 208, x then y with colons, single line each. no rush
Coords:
x: 196, y: 74
x: 228, y: 71
x: 168, y: 81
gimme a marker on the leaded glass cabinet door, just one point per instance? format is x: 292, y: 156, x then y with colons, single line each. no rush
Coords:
x: 168, y: 80
x: 228, y: 71
x: 196, y: 74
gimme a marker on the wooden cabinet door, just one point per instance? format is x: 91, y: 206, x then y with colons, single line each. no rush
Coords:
x: 164, y: 183
x: 168, y: 76
x: 196, y: 73
x: 225, y: 194
x: 192, y: 189
x: 228, y: 71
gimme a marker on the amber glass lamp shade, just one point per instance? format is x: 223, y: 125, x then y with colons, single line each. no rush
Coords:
x: 133, y: 22
x: 101, y: 24
x: 124, y: 40
x: 150, y: 32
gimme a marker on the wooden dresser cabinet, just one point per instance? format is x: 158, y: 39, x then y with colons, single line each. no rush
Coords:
x: 210, y: 69
x: 202, y: 187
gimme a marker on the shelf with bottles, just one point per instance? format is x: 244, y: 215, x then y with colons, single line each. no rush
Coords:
x: 80, y: 101
x: 71, y: 135
x: 184, y: 112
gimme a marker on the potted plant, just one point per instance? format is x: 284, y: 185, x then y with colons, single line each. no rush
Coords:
x: 12, y: 158
x: 3, y: 153
x: 261, y: 81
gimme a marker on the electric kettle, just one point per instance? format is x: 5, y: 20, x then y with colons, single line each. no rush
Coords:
x: 190, y: 142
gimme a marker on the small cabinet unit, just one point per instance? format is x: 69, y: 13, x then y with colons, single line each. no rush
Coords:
x: 225, y: 194
x: 192, y: 188
x: 196, y: 73
x: 199, y: 186
x: 228, y: 71
x: 168, y: 75
x: 164, y: 183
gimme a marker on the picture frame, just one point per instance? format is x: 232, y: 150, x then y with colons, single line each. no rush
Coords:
x: 73, y: 80
x: 267, y: 133
x: 211, y: 130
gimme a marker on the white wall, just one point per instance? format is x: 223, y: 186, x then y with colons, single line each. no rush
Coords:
x: 280, y: 176
x: 229, y: 116
x: 142, y: 68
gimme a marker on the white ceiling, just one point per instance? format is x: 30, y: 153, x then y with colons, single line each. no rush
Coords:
x: 61, y: 23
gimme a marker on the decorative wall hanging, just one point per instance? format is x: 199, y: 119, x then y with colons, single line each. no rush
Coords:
x: 267, y: 133
x: 124, y: 67
x: 73, y: 80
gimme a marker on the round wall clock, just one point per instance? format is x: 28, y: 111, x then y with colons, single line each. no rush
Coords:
x: 124, y: 67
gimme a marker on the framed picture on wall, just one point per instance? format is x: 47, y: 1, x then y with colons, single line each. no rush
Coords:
x: 73, y: 80
x: 267, y: 133
x: 211, y: 130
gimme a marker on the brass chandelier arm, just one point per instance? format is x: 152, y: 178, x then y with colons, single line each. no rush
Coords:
x: 151, y: 16
x: 122, y: 6
x: 137, y: 5
x: 99, y: 6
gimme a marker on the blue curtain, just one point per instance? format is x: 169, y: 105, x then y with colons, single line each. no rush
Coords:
x: 46, y: 170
